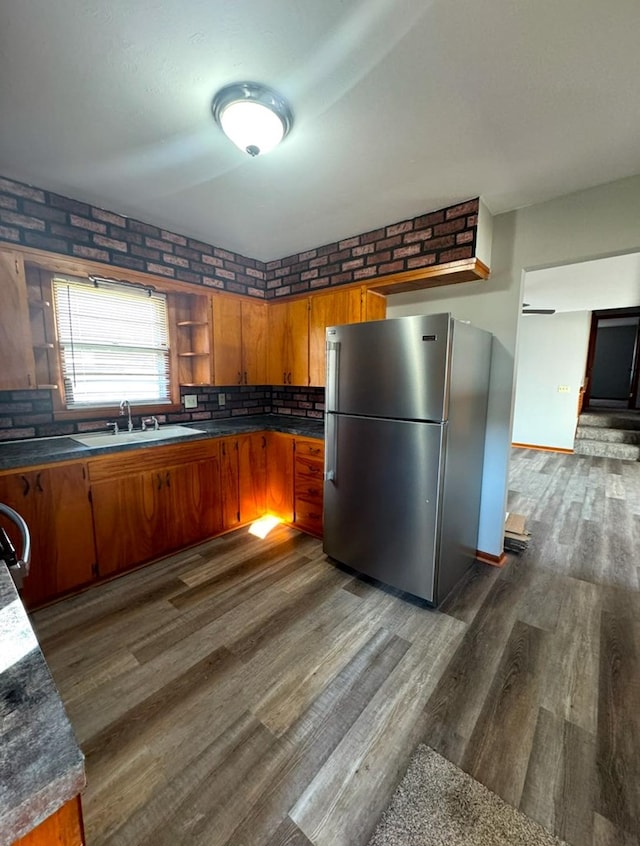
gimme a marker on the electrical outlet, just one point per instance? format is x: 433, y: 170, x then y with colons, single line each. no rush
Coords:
x: 190, y: 400
x: 221, y: 400
x: 563, y: 389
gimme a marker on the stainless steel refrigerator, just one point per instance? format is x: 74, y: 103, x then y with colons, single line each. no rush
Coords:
x: 406, y: 403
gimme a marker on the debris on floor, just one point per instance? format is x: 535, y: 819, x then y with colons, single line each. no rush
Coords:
x: 516, y: 536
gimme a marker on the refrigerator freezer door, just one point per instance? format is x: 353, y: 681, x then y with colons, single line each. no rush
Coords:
x: 394, y: 368
x: 381, y: 499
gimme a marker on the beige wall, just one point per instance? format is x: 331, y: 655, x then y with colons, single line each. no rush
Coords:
x: 589, y: 224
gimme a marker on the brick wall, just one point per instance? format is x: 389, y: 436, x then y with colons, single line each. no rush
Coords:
x: 29, y: 414
x: 426, y: 241
x: 36, y: 218
x: 33, y: 217
x: 298, y: 402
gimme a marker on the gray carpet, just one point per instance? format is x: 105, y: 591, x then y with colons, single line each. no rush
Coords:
x: 436, y: 804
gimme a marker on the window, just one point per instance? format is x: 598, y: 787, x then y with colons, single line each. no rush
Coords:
x: 114, y: 343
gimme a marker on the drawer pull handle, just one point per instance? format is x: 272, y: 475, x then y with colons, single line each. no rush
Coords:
x: 26, y: 486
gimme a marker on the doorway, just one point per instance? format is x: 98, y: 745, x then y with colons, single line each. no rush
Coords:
x: 613, y: 360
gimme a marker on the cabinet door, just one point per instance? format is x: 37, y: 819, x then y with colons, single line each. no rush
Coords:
x: 334, y: 309
x: 289, y: 343
x: 280, y: 475
x: 55, y: 504
x: 229, y: 483
x: 192, y: 502
x: 124, y: 517
x: 252, y: 456
x: 67, y: 490
x: 374, y: 305
x: 254, y: 343
x: 227, y: 340
x: 18, y: 490
x: 18, y: 365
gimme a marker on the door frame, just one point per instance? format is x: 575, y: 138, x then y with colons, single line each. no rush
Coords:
x: 596, y: 317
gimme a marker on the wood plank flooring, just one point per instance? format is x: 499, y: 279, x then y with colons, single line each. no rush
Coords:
x: 251, y: 693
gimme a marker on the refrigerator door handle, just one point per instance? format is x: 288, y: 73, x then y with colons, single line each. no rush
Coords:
x: 331, y: 453
x: 333, y: 374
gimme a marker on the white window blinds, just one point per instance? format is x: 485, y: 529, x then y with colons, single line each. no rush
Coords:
x: 114, y: 343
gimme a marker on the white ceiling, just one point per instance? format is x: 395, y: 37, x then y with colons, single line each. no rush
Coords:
x: 401, y: 107
x: 612, y: 282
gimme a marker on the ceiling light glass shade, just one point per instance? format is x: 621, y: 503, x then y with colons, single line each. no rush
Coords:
x: 254, y: 117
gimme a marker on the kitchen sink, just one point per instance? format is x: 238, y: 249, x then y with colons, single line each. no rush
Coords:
x: 106, y: 439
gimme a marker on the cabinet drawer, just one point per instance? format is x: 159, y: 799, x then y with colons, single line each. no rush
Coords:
x: 308, y: 467
x: 309, y: 489
x: 310, y: 448
x: 308, y: 515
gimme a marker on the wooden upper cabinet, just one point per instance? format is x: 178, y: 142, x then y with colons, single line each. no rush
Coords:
x: 239, y: 341
x: 289, y: 343
x: 18, y: 365
x: 332, y: 309
x: 374, y: 305
x: 254, y: 343
x: 227, y: 340
x: 191, y: 320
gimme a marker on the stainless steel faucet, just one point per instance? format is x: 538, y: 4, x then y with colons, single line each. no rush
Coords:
x: 125, y: 404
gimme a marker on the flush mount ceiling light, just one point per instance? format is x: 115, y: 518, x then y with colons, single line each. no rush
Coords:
x: 254, y: 117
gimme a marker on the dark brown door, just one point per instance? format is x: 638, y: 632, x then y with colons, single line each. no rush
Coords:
x: 613, y: 360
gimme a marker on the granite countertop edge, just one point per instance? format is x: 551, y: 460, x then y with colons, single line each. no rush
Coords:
x: 42, y: 768
x: 34, y: 451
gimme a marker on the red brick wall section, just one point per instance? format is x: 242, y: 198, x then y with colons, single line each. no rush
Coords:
x: 426, y: 241
x: 33, y: 217
x: 36, y: 218
x: 29, y: 414
x: 298, y: 402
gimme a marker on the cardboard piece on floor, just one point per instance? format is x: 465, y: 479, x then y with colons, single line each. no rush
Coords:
x: 516, y: 536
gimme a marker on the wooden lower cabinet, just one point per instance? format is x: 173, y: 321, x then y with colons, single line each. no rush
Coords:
x: 308, y: 480
x: 280, y: 475
x: 252, y: 472
x: 141, y: 513
x: 96, y: 519
x: 55, y: 503
x: 230, y: 482
x: 64, y: 828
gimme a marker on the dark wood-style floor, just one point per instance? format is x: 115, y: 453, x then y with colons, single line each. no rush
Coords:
x: 250, y: 692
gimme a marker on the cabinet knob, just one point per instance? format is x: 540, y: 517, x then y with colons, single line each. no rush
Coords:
x: 26, y: 485
x: 38, y: 485
x: 167, y: 478
x: 239, y: 378
x: 245, y: 377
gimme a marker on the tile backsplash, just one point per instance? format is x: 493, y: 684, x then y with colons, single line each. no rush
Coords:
x: 29, y: 414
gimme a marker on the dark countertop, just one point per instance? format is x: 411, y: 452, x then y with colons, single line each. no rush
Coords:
x: 41, y: 766
x: 35, y: 451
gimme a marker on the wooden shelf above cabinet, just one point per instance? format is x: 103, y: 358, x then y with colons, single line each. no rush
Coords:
x: 467, y: 270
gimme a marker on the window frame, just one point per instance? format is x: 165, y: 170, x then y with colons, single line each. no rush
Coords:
x: 105, y: 411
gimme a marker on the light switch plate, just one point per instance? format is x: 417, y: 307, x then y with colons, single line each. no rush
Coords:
x: 221, y: 400
x: 563, y: 389
x: 190, y: 400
